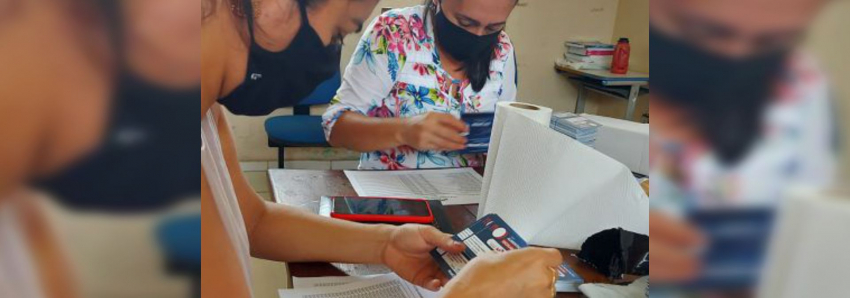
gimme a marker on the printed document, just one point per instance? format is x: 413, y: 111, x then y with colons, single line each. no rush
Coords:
x: 330, y: 281
x: 383, y: 286
x: 459, y: 186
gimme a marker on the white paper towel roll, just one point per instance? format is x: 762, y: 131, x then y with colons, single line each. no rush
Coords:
x: 809, y: 251
x: 555, y: 191
x: 539, y: 114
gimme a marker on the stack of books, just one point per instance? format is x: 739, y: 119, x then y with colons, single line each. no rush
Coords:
x: 574, y: 126
x: 589, y: 55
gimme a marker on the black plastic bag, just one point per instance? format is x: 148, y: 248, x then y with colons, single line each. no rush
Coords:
x: 616, y: 252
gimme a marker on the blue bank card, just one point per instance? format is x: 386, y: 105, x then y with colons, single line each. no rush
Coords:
x: 480, y: 130
x: 492, y: 234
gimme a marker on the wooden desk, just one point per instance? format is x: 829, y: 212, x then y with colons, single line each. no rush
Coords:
x: 303, y: 188
x: 633, y: 79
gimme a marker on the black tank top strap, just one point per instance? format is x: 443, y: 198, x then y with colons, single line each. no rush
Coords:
x: 303, y: 10
x: 248, y: 9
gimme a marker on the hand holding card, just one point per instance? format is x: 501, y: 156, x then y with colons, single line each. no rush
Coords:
x: 529, y: 272
x: 433, y: 131
x: 480, y: 129
x: 491, y: 235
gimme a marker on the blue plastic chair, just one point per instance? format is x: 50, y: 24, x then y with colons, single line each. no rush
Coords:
x: 180, y: 240
x: 302, y: 129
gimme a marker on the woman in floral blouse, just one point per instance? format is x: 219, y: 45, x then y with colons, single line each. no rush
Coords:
x: 415, y: 71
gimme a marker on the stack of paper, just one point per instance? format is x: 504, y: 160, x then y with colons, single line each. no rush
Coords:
x: 450, y: 186
x: 589, y: 55
x: 589, y: 48
x: 579, y: 128
x: 376, y: 286
x: 590, y: 62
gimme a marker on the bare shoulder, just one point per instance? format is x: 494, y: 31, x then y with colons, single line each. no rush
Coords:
x: 223, y: 52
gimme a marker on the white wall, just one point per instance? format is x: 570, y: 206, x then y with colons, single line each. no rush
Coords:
x: 538, y: 29
x: 830, y: 42
x: 632, y: 22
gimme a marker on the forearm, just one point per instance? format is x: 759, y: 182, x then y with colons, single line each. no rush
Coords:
x: 364, y: 134
x: 52, y: 263
x: 292, y: 235
x: 281, y: 233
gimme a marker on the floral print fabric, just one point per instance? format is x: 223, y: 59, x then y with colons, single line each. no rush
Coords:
x: 396, y: 72
x: 797, y: 147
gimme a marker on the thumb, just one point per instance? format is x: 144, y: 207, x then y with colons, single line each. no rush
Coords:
x: 675, y: 231
x: 547, y: 256
x: 454, y: 123
x: 444, y: 241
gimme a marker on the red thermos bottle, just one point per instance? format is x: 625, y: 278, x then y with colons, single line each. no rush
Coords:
x: 620, y: 64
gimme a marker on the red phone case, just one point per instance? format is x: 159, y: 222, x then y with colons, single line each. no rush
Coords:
x: 386, y: 218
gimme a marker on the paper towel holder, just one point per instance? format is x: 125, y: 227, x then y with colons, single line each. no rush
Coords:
x: 523, y: 106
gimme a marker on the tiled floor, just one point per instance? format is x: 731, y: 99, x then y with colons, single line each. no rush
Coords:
x: 118, y: 255
x: 267, y: 277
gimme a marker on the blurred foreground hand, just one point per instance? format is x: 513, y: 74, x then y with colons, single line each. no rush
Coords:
x: 674, y: 248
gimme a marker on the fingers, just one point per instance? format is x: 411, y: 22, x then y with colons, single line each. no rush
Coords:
x: 445, y: 133
x: 675, y: 232
x: 436, y: 131
x: 435, y: 142
x: 544, y: 283
x: 674, y: 248
x: 431, y: 278
x: 433, y: 285
x: 449, y: 134
x: 444, y: 280
x: 549, y: 257
x: 672, y: 264
x: 450, y: 121
x: 434, y: 237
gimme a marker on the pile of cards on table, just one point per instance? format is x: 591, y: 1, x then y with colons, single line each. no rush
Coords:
x: 574, y: 126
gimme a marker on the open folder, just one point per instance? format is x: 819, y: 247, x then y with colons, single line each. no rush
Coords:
x: 555, y: 191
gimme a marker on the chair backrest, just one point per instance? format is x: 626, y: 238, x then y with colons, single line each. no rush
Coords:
x: 324, y: 92
x: 321, y: 95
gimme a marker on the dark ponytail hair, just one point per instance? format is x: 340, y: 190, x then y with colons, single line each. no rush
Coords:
x: 477, y: 67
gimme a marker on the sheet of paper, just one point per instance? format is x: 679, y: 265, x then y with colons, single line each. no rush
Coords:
x: 362, y: 269
x: 557, y: 192
x: 459, y: 186
x: 384, y: 286
x: 330, y: 281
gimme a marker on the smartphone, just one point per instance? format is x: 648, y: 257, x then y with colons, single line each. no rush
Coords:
x: 377, y: 210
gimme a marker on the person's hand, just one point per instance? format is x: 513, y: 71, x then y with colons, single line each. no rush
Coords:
x: 528, y: 272
x: 674, y: 249
x: 407, y: 253
x: 433, y: 131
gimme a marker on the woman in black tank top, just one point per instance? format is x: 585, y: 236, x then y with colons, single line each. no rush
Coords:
x: 255, y: 60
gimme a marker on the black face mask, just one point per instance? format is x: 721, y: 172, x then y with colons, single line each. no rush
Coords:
x: 282, y: 79
x: 726, y: 96
x: 459, y: 43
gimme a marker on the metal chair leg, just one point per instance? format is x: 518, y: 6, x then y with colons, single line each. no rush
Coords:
x: 280, y: 156
x: 196, y: 287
